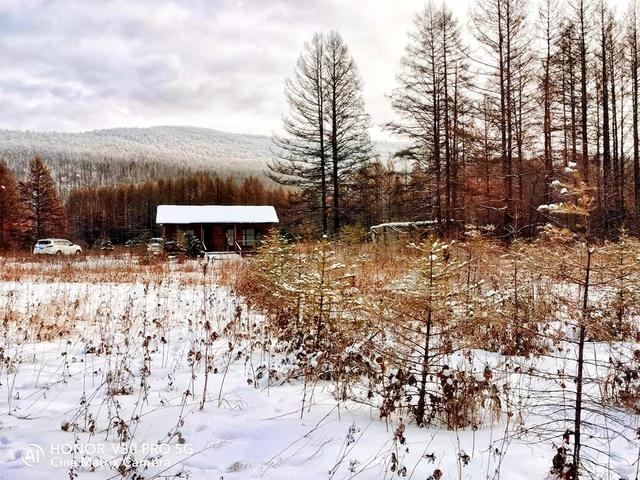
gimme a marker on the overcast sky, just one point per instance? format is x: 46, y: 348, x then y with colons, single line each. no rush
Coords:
x: 71, y: 65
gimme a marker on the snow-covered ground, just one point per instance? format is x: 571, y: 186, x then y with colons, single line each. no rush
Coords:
x: 100, y: 376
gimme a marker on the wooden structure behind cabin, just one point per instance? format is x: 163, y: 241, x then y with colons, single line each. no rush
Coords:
x: 221, y: 228
x: 402, y: 230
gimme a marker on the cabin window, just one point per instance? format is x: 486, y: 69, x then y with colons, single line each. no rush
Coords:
x: 249, y: 237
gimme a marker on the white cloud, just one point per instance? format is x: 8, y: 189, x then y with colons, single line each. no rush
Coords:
x: 77, y: 65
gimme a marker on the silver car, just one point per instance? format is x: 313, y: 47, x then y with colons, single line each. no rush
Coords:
x: 56, y: 246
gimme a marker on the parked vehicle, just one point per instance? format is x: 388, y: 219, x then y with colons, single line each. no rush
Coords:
x: 56, y: 246
x: 155, y: 246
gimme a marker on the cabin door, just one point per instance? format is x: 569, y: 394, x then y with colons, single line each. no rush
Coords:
x: 230, y: 237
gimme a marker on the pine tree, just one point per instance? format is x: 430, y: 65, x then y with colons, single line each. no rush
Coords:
x: 44, y: 211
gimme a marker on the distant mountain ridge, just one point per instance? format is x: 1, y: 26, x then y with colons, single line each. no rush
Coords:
x: 186, y: 147
x: 136, y: 154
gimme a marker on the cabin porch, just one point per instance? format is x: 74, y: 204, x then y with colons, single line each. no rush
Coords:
x: 222, y: 237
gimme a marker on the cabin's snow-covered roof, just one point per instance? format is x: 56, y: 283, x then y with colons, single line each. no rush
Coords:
x: 183, y: 214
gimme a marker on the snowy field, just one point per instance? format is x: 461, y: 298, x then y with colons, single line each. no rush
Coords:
x: 155, y: 372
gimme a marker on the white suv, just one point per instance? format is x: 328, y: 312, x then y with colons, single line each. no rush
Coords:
x: 56, y: 246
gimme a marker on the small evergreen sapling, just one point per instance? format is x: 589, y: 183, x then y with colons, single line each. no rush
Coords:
x: 421, y: 332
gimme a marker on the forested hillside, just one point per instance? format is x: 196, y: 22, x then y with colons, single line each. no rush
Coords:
x: 107, y: 157
x: 104, y: 157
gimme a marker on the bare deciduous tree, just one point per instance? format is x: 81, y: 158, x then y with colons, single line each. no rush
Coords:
x: 326, y: 130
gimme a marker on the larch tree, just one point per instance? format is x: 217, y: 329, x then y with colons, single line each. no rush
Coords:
x: 10, y: 208
x: 549, y: 28
x: 44, y: 210
x: 525, y: 120
x: 373, y: 195
x: 501, y: 28
x: 301, y: 155
x: 618, y: 80
x: 428, y: 102
x: 595, y: 300
x: 605, y: 27
x: 423, y: 321
x: 567, y: 71
x: 347, y: 120
x: 326, y: 131
x: 581, y: 14
x: 632, y: 38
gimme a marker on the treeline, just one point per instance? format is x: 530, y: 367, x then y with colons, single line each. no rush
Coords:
x: 490, y: 124
x: 492, y: 118
x: 126, y: 211
x: 72, y: 170
x: 32, y: 208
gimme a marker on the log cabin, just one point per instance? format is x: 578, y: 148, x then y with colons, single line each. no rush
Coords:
x: 221, y: 228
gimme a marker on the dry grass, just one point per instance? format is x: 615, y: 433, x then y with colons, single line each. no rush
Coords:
x: 374, y: 266
x: 112, y: 268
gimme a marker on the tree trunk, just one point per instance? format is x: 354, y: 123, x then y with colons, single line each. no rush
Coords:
x: 334, y: 156
x: 634, y: 80
x: 447, y: 146
x: 580, y: 366
x: 436, y: 140
x: 422, y: 393
x: 583, y: 92
x: 606, y: 139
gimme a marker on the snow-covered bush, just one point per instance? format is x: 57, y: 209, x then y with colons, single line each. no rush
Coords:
x: 312, y: 307
x: 424, y: 318
x: 513, y: 310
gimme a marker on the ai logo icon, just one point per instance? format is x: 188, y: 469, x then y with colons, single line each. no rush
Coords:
x: 32, y: 455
